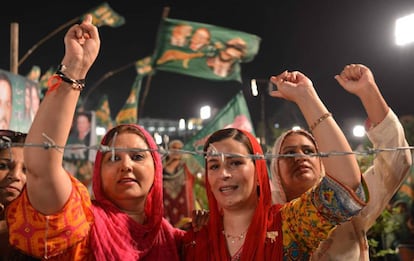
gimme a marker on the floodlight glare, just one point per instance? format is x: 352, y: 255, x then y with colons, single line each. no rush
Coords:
x: 404, y: 30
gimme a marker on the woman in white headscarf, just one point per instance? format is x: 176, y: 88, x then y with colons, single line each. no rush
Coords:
x: 348, y: 241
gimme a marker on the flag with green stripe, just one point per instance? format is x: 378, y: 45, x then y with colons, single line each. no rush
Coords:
x: 203, y: 50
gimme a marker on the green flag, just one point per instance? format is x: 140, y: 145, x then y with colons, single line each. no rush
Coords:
x: 144, y: 66
x: 234, y: 114
x: 129, y: 112
x: 103, y: 113
x: 105, y: 15
x: 34, y: 73
x: 203, y: 50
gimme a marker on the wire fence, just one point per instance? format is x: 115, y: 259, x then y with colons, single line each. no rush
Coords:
x: 50, y: 144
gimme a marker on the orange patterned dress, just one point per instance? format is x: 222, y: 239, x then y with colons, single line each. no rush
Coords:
x: 29, y: 229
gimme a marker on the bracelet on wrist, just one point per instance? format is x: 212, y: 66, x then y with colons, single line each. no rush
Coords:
x: 319, y: 120
x: 76, y: 84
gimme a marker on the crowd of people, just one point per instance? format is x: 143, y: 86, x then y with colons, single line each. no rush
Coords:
x: 183, y: 185
x: 307, y: 208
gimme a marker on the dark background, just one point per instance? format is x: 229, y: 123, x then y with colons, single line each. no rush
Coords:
x: 316, y: 37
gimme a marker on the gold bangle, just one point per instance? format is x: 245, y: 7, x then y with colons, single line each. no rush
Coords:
x: 321, y: 119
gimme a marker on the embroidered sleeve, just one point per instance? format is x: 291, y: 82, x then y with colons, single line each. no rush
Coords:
x: 309, y: 219
x: 47, y: 236
x: 337, y: 203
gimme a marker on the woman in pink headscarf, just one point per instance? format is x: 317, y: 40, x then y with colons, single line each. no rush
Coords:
x: 55, y: 218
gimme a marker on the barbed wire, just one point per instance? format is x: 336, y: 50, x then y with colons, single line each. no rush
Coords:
x: 50, y: 144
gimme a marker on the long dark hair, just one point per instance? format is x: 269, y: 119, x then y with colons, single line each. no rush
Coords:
x: 233, y: 133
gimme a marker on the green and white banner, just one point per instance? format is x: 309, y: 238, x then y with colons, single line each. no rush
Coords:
x: 235, y: 114
x: 19, y: 101
x: 203, y: 50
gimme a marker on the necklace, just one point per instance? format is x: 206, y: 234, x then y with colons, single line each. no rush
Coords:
x: 234, y: 238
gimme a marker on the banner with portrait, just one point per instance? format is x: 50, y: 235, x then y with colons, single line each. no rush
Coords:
x: 78, y: 156
x: 203, y: 50
x: 19, y: 101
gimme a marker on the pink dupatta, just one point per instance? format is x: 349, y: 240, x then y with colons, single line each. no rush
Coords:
x: 115, y: 236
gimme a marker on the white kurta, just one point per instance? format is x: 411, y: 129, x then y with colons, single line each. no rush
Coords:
x: 348, y: 241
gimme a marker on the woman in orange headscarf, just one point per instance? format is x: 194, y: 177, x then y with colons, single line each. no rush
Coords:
x: 243, y: 223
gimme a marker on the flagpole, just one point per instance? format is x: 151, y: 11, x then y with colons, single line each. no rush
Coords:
x: 47, y: 37
x: 103, y: 78
x: 165, y: 13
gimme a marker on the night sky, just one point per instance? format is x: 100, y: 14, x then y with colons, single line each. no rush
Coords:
x: 318, y: 39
